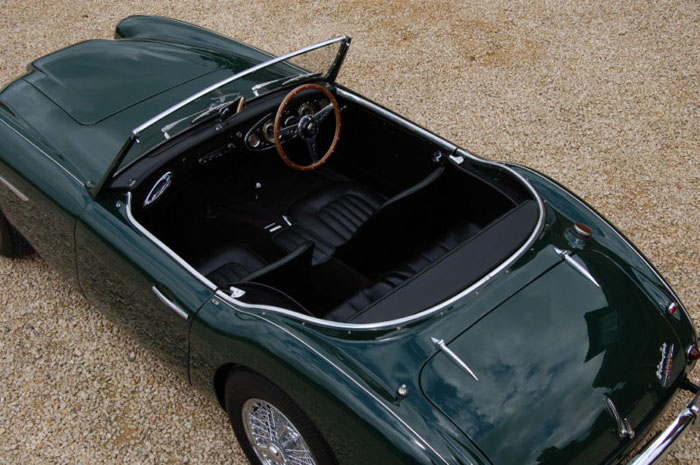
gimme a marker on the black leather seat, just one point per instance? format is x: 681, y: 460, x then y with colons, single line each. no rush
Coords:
x: 402, y: 272
x: 230, y: 263
x: 329, y: 217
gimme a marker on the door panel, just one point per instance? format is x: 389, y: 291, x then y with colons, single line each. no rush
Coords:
x: 136, y: 283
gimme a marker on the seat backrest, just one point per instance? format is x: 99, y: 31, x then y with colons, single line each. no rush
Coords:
x: 390, y: 235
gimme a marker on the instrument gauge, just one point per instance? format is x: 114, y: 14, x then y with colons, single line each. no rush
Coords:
x: 306, y: 109
x: 253, y: 140
x: 269, y: 131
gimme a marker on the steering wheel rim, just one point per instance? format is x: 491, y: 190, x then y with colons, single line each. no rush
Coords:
x: 297, y: 129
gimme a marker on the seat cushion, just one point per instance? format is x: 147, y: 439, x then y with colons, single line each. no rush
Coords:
x: 292, y: 237
x: 431, y: 254
x: 402, y: 272
x: 334, y: 212
x: 229, y: 264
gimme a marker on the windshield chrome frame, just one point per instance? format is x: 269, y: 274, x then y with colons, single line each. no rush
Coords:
x: 332, y: 72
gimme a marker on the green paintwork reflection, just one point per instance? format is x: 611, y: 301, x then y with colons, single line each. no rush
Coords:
x: 358, y: 430
x: 132, y: 70
x: 546, y: 358
x: 55, y: 199
x: 611, y: 242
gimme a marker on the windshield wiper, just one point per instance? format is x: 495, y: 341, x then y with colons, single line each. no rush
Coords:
x: 213, y: 109
x: 202, y: 114
x: 284, y: 80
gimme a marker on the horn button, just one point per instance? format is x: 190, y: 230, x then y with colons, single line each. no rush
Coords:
x: 308, y: 127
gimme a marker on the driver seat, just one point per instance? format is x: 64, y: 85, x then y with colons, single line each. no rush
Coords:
x: 329, y: 216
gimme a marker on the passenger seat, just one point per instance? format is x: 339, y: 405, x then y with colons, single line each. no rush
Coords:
x: 329, y: 217
x: 230, y: 264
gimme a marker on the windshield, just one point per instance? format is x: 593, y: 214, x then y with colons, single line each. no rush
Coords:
x: 317, y: 61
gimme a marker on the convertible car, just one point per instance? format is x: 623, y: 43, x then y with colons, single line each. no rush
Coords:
x: 350, y: 287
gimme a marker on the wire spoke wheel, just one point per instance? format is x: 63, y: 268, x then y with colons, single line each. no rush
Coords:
x: 274, y: 437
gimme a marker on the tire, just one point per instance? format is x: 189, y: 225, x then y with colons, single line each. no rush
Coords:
x: 250, y: 396
x: 12, y: 244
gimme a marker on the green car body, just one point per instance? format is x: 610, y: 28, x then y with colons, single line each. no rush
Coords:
x: 548, y: 343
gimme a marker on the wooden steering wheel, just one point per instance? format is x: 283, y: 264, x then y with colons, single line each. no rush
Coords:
x: 307, y: 128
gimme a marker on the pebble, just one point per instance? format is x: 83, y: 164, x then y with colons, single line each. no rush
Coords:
x: 602, y: 96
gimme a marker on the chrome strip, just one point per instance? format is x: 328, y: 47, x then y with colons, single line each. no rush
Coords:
x: 215, y: 86
x: 624, y: 239
x: 655, y: 451
x: 159, y: 188
x: 399, y: 321
x: 165, y: 248
x: 566, y: 255
x: 223, y: 295
x: 169, y: 304
x: 16, y: 191
x: 440, y: 344
x: 44, y: 153
x: 395, y: 118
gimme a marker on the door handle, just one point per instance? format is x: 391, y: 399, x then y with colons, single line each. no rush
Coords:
x: 169, y: 303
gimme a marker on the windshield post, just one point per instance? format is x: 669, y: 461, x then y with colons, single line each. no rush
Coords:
x: 335, y: 67
x: 117, y: 161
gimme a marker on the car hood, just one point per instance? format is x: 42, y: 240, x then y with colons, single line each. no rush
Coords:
x: 80, y: 104
x: 95, y: 79
x: 549, y: 358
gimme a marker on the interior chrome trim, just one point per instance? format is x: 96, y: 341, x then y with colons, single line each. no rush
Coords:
x: 44, y: 153
x: 223, y: 296
x: 16, y: 191
x: 136, y: 131
x: 168, y: 303
x: 459, y: 159
x: 159, y: 188
x: 165, y: 248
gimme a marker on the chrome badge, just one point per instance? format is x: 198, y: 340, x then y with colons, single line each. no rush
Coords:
x: 663, y: 369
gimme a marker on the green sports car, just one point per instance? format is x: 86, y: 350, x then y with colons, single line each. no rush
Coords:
x: 352, y: 288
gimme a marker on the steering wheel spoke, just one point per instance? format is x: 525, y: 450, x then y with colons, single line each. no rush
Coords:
x: 312, y: 145
x: 289, y: 131
x: 308, y: 127
x: 324, y: 113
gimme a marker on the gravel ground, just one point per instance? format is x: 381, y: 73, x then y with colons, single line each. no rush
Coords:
x: 602, y: 96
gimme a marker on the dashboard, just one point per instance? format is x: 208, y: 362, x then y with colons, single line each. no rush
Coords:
x: 207, y: 145
x: 261, y: 135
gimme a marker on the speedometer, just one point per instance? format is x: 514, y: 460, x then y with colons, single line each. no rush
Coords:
x: 306, y: 109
